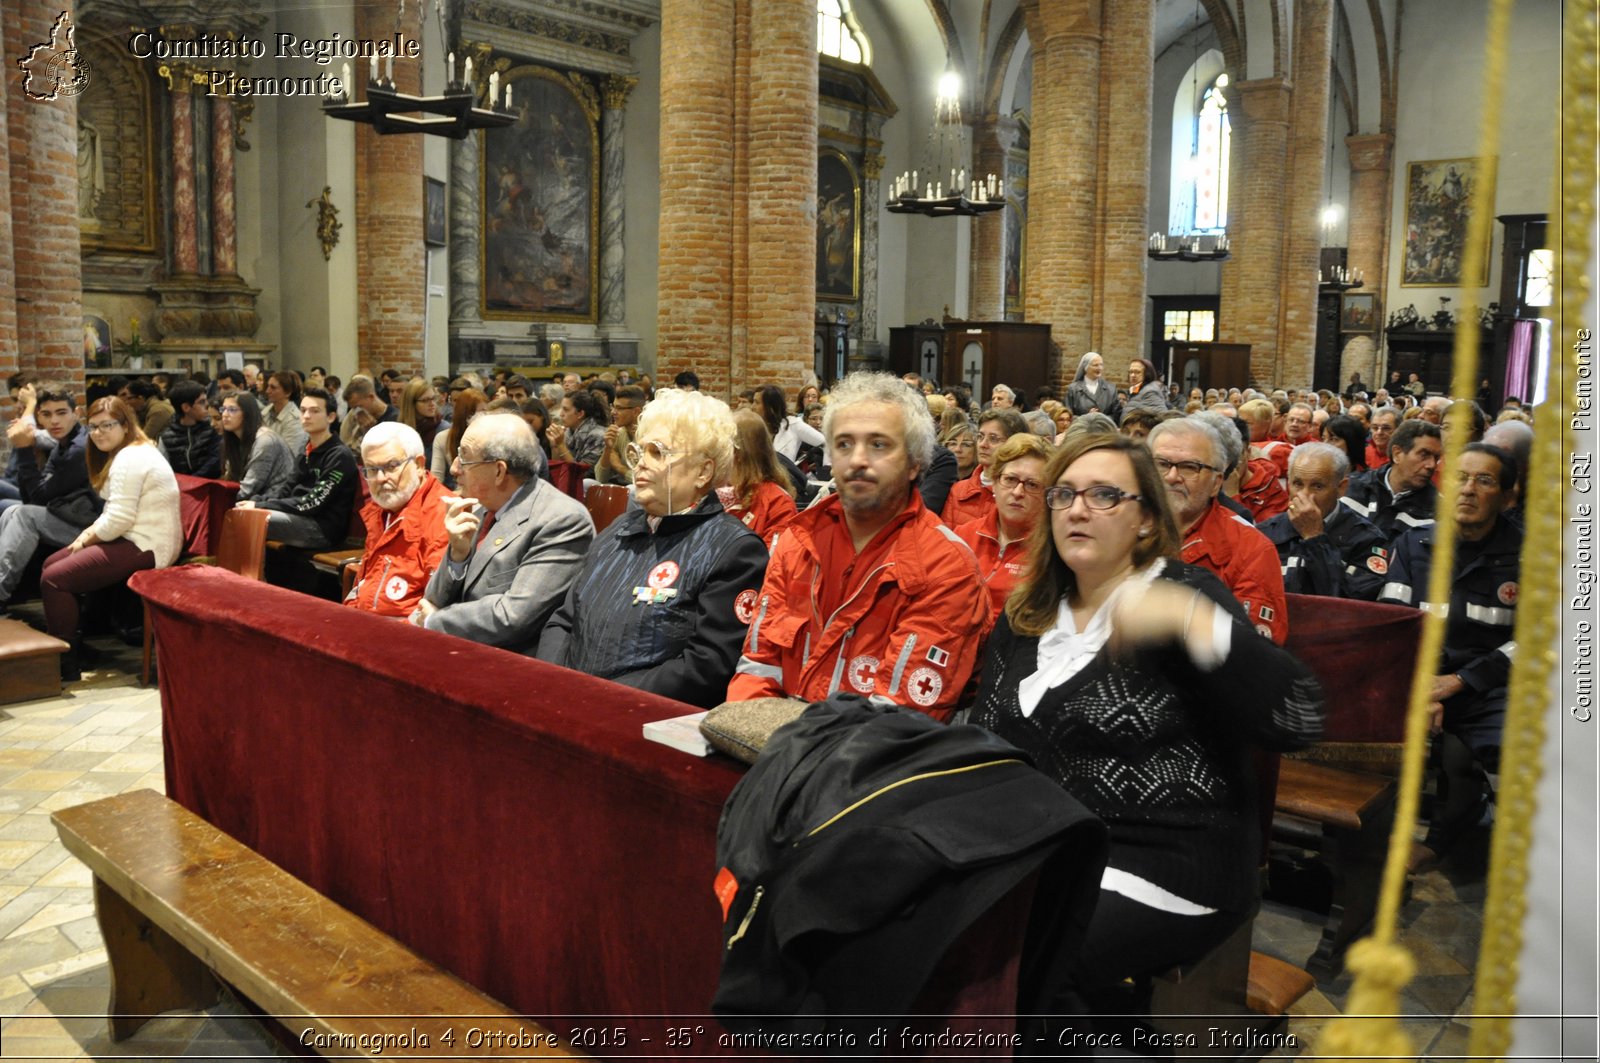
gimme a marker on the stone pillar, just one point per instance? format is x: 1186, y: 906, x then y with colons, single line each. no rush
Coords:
x: 1259, y: 113
x: 867, y: 345
x: 391, y: 293
x: 993, y: 137
x: 613, y: 101
x: 224, y: 233
x: 1128, y: 56
x: 782, y: 154
x: 185, y: 239
x: 46, y: 251
x: 695, y: 285
x: 466, y: 282
x: 1063, y: 170
x: 1371, y: 181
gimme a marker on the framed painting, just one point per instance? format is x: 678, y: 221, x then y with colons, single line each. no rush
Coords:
x: 1358, y: 312
x: 96, y: 341
x: 838, y: 227
x: 540, y: 202
x: 1016, y: 261
x: 433, y: 216
x: 1440, y: 196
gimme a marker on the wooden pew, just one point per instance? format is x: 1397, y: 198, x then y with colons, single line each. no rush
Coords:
x: 181, y: 904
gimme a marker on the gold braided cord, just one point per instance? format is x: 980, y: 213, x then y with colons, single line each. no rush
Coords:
x: 1381, y: 966
x: 1539, y: 603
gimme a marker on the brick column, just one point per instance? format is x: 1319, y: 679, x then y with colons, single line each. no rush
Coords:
x: 1063, y: 170
x: 10, y: 19
x: 1308, y: 154
x: 390, y: 274
x: 782, y: 154
x: 1257, y: 200
x: 1128, y: 53
x: 42, y: 139
x: 695, y: 286
x: 1371, y: 182
x: 993, y: 136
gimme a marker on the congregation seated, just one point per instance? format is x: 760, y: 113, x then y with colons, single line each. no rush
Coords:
x: 404, y: 520
x: 665, y: 594
x: 152, y: 411
x: 1000, y: 540
x: 56, y: 500
x: 191, y: 444
x: 256, y: 459
x: 613, y: 465
x: 972, y: 498
x: 315, y: 513
x: 1470, y: 681
x: 867, y: 590
x: 1190, y: 456
x: 1107, y: 668
x: 1399, y: 495
x: 367, y: 408
x: 1325, y: 548
x: 581, y: 434
x: 516, y: 542
x: 138, y: 526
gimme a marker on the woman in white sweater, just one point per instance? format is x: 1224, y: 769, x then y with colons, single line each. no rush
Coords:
x: 139, y: 527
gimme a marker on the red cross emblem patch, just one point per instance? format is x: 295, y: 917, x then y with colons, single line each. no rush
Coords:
x: 864, y: 673
x: 924, y: 686
x: 1507, y: 594
x: 664, y: 575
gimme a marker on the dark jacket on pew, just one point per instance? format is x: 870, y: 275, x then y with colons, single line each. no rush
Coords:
x: 193, y: 449
x: 324, y: 489
x: 1348, y: 560
x: 64, y: 473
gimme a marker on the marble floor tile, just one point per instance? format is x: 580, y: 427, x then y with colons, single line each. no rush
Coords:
x: 70, y: 760
x: 97, y: 743
x: 71, y: 873
x: 50, y: 972
x: 28, y: 826
x: 20, y: 757
x: 21, y: 908
x: 55, y: 915
x: 43, y: 950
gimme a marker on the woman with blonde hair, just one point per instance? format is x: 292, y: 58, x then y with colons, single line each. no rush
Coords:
x: 138, y: 528
x: 962, y: 441
x: 668, y: 588
x: 419, y: 408
x: 759, y: 493
x: 1000, y: 538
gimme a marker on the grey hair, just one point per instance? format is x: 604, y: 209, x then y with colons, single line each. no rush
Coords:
x: 698, y: 423
x: 1092, y: 422
x: 1083, y: 365
x: 862, y: 387
x: 504, y: 436
x: 1306, y: 451
x: 1012, y: 395
x: 551, y: 395
x: 385, y: 432
x: 1227, y: 431
x: 1193, y: 427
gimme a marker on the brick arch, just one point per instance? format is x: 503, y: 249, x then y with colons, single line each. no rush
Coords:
x: 946, y: 25
x: 1220, y: 15
x: 1004, y: 48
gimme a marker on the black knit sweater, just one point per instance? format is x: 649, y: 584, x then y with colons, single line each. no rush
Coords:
x: 1159, y: 749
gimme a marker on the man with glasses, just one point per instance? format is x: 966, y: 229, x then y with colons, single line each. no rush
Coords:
x: 1191, y: 458
x: 973, y: 498
x: 516, y: 542
x: 406, y: 539
x: 316, y: 512
x: 867, y: 591
x: 1469, y: 685
x: 612, y: 467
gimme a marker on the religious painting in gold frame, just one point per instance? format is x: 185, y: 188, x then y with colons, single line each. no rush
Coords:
x: 1440, y: 197
x: 540, y: 257
x: 838, y: 227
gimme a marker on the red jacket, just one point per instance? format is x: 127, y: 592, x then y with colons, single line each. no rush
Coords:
x: 770, y: 510
x: 970, y: 499
x: 909, y: 625
x: 400, y: 559
x: 999, y: 568
x: 1261, y: 492
x: 1374, y: 457
x: 1278, y: 450
x: 1247, y: 562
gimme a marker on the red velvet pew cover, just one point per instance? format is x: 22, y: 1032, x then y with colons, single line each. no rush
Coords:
x: 1364, y: 655
x: 502, y: 816
x: 201, y: 505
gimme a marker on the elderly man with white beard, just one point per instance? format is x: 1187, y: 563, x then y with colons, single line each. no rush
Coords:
x: 406, y: 537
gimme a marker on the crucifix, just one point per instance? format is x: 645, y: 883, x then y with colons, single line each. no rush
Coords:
x: 972, y: 366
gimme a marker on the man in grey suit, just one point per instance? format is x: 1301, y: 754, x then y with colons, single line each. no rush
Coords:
x: 516, y: 543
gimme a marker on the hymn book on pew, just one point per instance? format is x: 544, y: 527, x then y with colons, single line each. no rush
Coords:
x: 680, y: 732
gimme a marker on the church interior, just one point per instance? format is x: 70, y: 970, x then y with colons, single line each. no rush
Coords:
x: 1242, y: 192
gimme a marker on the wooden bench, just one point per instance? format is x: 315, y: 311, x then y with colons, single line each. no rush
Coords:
x: 1346, y: 816
x: 30, y: 663
x: 181, y: 904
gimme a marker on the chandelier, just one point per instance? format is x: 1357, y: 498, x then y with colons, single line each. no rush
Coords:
x: 1187, y: 248
x: 454, y: 114
x: 940, y: 187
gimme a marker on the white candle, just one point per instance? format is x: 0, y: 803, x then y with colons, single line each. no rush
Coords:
x: 508, y: 96
x: 450, y: 68
x: 466, y: 78
x: 346, y: 78
x: 1000, y: 190
x: 389, y: 70
x: 372, y: 74
x: 494, y: 87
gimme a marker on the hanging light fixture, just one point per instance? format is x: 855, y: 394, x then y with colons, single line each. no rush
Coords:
x: 453, y: 115
x: 940, y: 188
x: 1188, y: 248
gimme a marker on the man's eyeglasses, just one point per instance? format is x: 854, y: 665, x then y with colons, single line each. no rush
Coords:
x: 372, y: 472
x: 649, y: 453
x: 1186, y: 469
x: 462, y: 464
x: 1099, y: 497
x: 1011, y: 483
x: 1482, y: 479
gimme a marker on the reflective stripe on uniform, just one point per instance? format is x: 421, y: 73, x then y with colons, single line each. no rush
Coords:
x: 1489, y: 614
x: 761, y: 671
x: 1398, y: 591
x: 900, y: 664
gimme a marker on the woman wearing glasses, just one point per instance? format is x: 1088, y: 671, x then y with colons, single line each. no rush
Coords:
x: 667, y: 590
x: 1137, y: 683
x: 419, y: 408
x: 1000, y: 538
x: 255, y: 457
x: 137, y: 529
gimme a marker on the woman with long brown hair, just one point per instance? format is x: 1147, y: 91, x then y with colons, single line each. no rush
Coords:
x: 138, y: 528
x: 445, y: 444
x: 1137, y: 683
x: 419, y: 408
x: 760, y: 494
